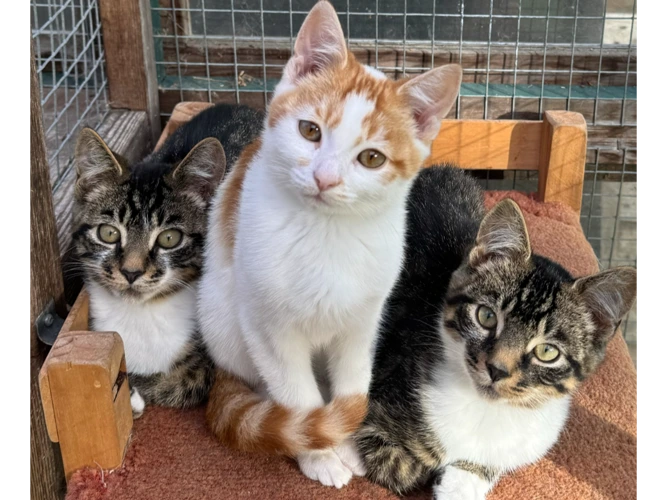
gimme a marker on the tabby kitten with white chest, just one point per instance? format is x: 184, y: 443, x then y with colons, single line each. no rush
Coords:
x: 482, y: 346
x: 139, y: 237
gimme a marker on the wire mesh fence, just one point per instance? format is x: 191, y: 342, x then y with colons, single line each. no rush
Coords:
x: 520, y: 58
x: 69, y: 60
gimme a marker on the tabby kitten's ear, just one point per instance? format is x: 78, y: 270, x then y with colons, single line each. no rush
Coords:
x: 609, y: 295
x: 201, y: 170
x: 502, y: 233
x: 96, y: 165
x: 319, y: 44
x: 431, y: 95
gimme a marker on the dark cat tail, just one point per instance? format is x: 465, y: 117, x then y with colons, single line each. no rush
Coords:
x: 242, y: 420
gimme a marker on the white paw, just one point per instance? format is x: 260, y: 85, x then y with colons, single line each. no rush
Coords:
x: 137, y: 402
x: 457, y: 484
x: 348, y: 454
x: 324, y: 466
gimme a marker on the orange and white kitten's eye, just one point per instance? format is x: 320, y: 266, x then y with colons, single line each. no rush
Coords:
x: 371, y: 158
x: 310, y: 130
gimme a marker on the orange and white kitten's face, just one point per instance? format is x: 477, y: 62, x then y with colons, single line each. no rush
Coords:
x: 340, y: 136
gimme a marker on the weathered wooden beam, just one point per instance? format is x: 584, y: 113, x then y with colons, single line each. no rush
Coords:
x: 130, y: 58
x: 46, y: 283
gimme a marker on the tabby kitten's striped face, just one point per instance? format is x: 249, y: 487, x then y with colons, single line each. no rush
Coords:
x: 139, y: 231
x: 524, y: 330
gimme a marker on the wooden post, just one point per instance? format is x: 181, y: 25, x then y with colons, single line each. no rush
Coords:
x: 562, y: 158
x: 86, y: 398
x: 130, y: 58
x: 46, y: 283
x: 86, y: 393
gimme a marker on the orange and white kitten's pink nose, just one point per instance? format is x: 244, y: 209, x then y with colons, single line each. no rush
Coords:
x: 326, y: 178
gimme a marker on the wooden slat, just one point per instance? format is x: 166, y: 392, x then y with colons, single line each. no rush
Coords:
x: 488, y: 145
x: 556, y: 147
x: 46, y: 473
x: 130, y: 58
x: 563, y: 158
x: 77, y: 319
x: 474, y: 59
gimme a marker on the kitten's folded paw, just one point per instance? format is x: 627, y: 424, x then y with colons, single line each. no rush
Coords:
x: 349, y: 455
x: 457, y: 484
x: 324, y: 466
x: 138, y: 404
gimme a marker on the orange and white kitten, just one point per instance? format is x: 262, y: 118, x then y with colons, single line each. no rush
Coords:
x: 306, y: 241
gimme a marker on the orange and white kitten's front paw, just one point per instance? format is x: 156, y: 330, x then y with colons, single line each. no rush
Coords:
x: 349, y: 455
x: 324, y: 466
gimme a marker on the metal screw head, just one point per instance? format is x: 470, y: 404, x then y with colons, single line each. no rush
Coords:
x: 48, y: 319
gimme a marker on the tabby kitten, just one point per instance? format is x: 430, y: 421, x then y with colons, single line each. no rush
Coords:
x: 139, y: 237
x: 482, y: 346
x: 306, y: 241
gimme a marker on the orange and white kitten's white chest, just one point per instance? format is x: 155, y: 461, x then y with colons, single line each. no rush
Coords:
x: 331, y: 267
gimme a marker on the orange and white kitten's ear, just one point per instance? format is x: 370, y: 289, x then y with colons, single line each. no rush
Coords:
x: 431, y: 96
x: 319, y: 44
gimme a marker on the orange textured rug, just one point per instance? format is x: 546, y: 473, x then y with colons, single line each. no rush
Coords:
x: 172, y: 456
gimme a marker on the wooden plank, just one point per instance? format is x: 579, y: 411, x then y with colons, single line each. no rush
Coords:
x: 84, y: 380
x: 77, y: 319
x: 130, y: 58
x: 46, y: 282
x: 529, y: 65
x: 562, y: 158
x: 488, y: 145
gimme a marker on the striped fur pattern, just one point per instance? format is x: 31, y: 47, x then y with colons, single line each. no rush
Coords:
x: 141, y: 285
x: 306, y: 242
x: 185, y: 384
x: 243, y: 420
x: 456, y: 401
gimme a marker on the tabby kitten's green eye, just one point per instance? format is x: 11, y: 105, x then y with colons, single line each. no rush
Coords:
x: 370, y: 158
x: 169, y: 238
x: 486, y: 317
x: 108, y: 234
x: 310, y: 130
x: 546, y: 353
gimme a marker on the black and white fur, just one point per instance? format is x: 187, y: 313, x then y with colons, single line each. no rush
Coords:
x: 456, y: 405
x: 143, y: 291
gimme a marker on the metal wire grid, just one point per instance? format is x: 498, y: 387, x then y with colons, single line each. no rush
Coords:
x: 210, y: 25
x: 219, y: 50
x: 69, y: 59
